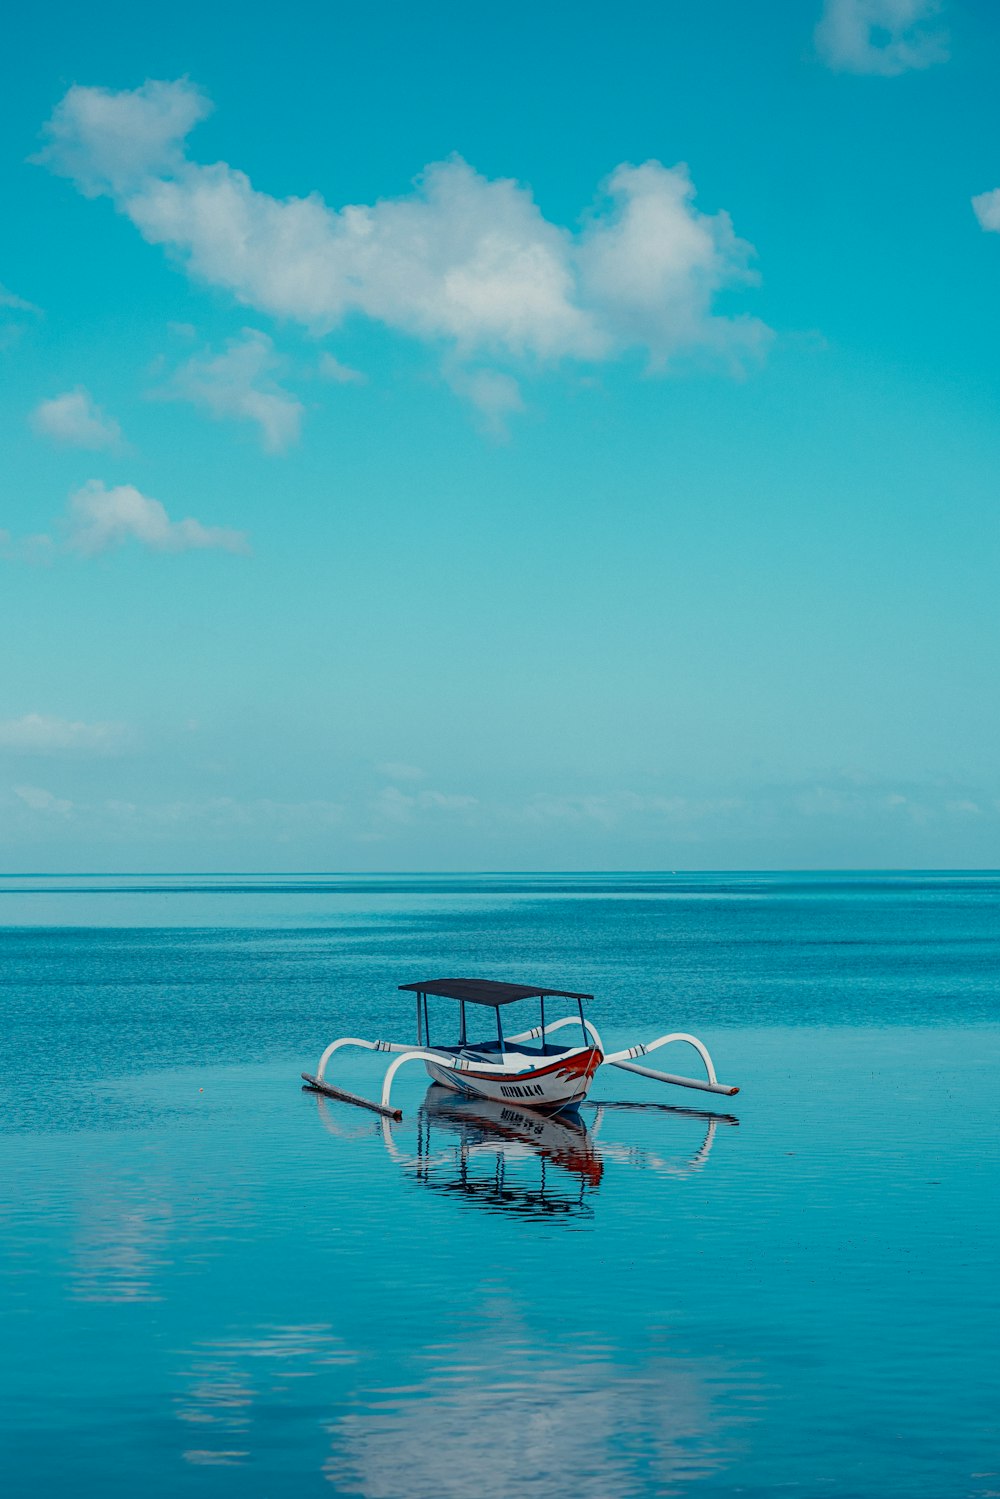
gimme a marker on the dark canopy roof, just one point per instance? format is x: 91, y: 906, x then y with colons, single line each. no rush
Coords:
x: 487, y: 991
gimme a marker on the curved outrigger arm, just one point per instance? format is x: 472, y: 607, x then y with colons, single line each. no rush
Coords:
x: 557, y: 1025
x: 624, y: 1060
x: 356, y: 1041
x: 407, y: 1053
x: 320, y: 1085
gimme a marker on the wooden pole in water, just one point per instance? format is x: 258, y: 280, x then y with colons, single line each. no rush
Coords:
x: 315, y: 1086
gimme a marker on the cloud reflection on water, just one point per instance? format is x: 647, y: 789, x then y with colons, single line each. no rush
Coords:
x: 229, y: 1379
x: 121, y: 1236
x: 504, y: 1413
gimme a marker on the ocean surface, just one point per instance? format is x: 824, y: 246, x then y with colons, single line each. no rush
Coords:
x: 216, y: 1284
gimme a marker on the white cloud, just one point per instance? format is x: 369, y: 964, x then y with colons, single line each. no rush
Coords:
x: 39, y: 734
x: 494, y: 395
x: 884, y: 37
x: 73, y: 418
x: 331, y: 368
x: 241, y: 383
x: 463, y: 258
x: 100, y: 518
x: 112, y: 142
x: 654, y: 265
x: 40, y: 800
x: 986, y: 207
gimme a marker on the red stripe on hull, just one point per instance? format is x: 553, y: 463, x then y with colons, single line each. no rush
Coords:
x: 582, y: 1064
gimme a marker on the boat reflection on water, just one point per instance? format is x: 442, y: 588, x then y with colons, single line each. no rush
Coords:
x: 650, y: 1160
x: 501, y: 1157
x: 507, y: 1159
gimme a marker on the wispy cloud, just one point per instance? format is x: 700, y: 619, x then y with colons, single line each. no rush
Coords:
x: 222, y: 813
x: 838, y: 813
x: 332, y: 369
x: 74, y: 418
x: 394, y: 805
x: 37, y: 799
x: 210, y: 817
x: 40, y: 734
x: 495, y: 396
x: 13, y: 312
x: 676, y: 820
x: 400, y: 770
x: 883, y: 37
x: 100, y: 519
x: 463, y: 259
x: 241, y: 383
x: 10, y: 301
x: 36, y: 549
x: 612, y: 809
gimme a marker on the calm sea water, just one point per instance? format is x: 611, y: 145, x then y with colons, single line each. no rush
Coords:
x: 215, y: 1284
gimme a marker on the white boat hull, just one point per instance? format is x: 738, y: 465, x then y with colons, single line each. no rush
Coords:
x: 545, y: 1086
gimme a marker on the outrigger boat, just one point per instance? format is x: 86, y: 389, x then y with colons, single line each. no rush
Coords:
x: 546, y: 1078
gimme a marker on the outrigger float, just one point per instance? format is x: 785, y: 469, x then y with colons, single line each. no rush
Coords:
x: 547, y: 1078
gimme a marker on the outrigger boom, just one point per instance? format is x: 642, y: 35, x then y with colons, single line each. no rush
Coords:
x: 548, y: 1078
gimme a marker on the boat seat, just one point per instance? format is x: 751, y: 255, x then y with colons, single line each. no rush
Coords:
x: 490, y: 1050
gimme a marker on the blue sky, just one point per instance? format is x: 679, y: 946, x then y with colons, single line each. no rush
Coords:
x: 540, y: 437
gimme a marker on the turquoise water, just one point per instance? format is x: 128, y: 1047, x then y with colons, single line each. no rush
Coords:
x: 214, y: 1283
